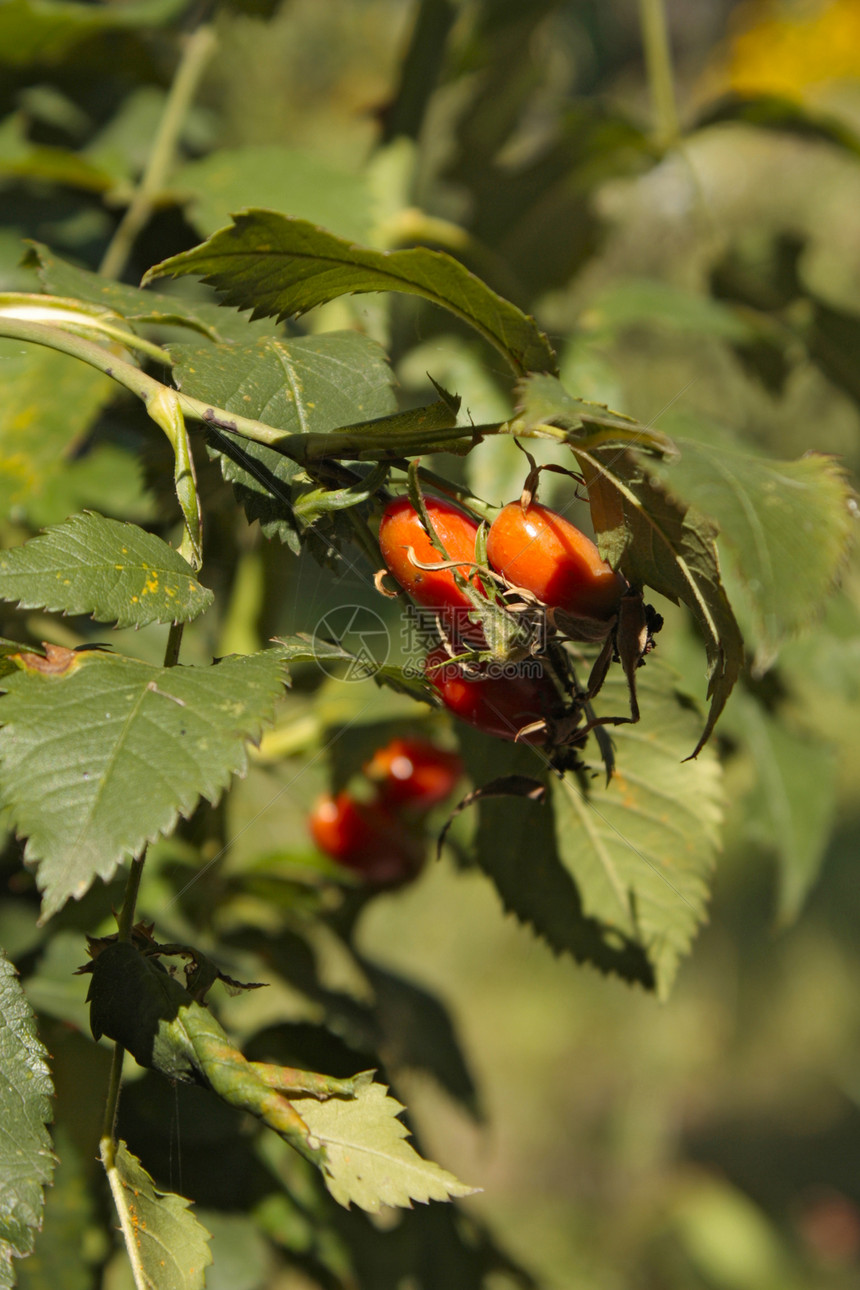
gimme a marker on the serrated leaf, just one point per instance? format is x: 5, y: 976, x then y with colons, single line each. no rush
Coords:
x: 542, y: 397
x: 26, y: 1159
x: 660, y: 541
x: 279, y: 266
x: 113, y: 571
x: 104, y: 755
x: 308, y: 384
x: 263, y: 481
x: 515, y: 845
x: 60, y: 278
x: 431, y: 428
x: 301, y: 184
x: 642, y: 848
x: 786, y: 524
x: 167, y: 1247
x: 615, y: 875
x: 305, y: 384
x: 368, y: 1161
x: 312, y: 649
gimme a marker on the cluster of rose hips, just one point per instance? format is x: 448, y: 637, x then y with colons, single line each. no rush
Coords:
x: 538, y: 565
x: 381, y: 839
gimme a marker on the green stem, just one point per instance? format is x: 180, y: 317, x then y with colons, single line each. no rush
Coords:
x: 112, y: 1100
x: 77, y: 317
x: 124, y: 922
x: 124, y: 925
x: 300, y: 447
x: 304, y: 448
x: 133, y: 379
x: 174, y: 642
x: 137, y: 344
x: 125, y: 917
x: 198, y: 50
x: 658, y: 63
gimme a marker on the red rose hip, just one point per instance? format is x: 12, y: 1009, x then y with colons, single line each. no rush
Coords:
x: 498, y: 705
x: 364, y: 837
x: 548, y: 556
x: 413, y: 773
x: 401, y: 528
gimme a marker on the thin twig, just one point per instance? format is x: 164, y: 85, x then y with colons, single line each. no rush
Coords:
x: 658, y: 64
x: 198, y: 50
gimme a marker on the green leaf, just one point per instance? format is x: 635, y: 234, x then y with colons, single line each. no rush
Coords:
x: 279, y: 266
x: 26, y: 1159
x: 60, y: 278
x: 105, y: 477
x: 113, y: 571
x: 49, y: 403
x: 786, y: 525
x: 615, y: 875
x: 241, y: 1255
x: 101, y: 754
x: 310, y: 649
x: 263, y: 480
x: 633, y: 302
x: 726, y: 1239
x: 167, y: 1247
x: 773, y: 112
x: 8, y: 649
x: 543, y: 398
x: 41, y: 31
x: 659, y: 541
x: 431, y: 428
x: 135, y: 1001
x: 301, y: 184
x: 368, y: 1161
x: 642, y: 848
x: 309, y: 384
x: 24, y: 160
x: 53, y: 988
x: 361, y: 1150
x: 418, y: 1033
x: 791, y: 805
x: 515, y: 845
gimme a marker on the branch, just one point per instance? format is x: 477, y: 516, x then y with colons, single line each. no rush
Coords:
x: 198, y: 50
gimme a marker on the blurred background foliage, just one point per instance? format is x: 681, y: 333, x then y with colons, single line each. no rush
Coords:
x: 703, y: 278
